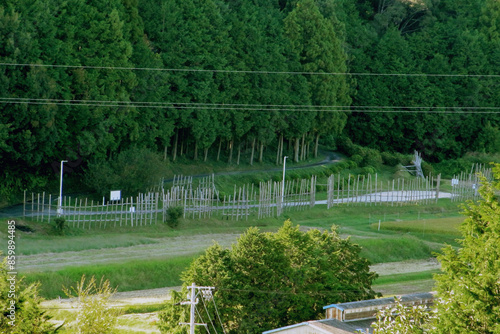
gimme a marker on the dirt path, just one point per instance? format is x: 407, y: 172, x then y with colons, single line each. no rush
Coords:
x: 167, y: 247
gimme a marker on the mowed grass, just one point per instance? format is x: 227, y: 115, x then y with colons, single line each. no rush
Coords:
x: 400, y: 284
x: 394, y: 249
x: 127, y: 276
x: 437, y: 226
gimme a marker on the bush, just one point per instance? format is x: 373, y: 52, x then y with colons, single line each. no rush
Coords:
x: 401, y: 173
x: 371, y: 157
x: 93, y: 315
x: 358, y: 159
x: 427, y: 169
x: 351, y: 164
x: 368, y: 170
x: 345, y: 145
x: 25, y: 315
x: 391, y: 159
x: 59, y: 225
x: 174, y: 213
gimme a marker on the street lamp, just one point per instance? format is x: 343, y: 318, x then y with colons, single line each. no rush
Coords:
x: 283, y: 184
x: 59, y: 202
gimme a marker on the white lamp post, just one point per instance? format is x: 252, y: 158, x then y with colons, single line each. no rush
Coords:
x: 59, y: 202
x: 283, y: 184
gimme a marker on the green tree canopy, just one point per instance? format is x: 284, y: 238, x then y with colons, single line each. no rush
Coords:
x: 468, y: 290
x: 469, y: 287
x: 28, y: 314
x: 269, y: 280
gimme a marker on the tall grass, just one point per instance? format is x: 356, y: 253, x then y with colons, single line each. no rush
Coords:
x: 393, y: 249
x: 128, y: 276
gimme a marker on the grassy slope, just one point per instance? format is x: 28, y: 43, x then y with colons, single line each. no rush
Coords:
x: 359, y: 222
x: 355, y: 221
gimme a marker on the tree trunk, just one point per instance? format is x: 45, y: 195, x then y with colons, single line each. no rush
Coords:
x: 195, y: 150
x: 182, y: 148
x: 230, y: 160
x: 206, y: 154
x: 303, y: 148
x: 253, y: 150
x: 239, y: 153
x: 165, y: 153
x: 278, y: 153
x: 296, y: 155
x: 175, y: 145
x: 218, y: 152
x: 281, y: 148
x: 261, y: 153
x: 316, y: 146
x: 308, y: 146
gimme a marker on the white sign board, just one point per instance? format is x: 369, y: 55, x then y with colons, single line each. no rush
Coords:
x: 115, y: 195
x: 454, y: 182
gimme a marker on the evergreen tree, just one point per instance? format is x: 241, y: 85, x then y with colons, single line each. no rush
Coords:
x: 319, y: 48
x: 269, y: 280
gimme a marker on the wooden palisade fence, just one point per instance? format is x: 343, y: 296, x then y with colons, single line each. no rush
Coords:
x: 465, y: 186
x: 268, y: 200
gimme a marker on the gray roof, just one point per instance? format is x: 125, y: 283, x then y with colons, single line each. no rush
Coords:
x: 330, y: 326
x: 380, y: 302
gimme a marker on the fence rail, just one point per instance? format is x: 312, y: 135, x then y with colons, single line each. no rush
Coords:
x: 269, y: 199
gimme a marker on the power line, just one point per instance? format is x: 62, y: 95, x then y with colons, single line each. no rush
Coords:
x: 361, y: 109
x: 249, y: 71
x: 306, y: 293
x: 202, y: 320
x: 206, y: 310
x: 176, y: 104
x: 218, y: 316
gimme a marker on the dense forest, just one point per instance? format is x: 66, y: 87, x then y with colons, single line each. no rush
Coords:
x: 221, y: 79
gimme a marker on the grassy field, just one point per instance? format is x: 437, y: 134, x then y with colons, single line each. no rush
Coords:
x: 389, y: 244
x: 407, y: 232
x: 127, y: 276
x: 433, y: 226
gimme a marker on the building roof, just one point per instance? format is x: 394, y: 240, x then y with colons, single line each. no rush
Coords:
x: 381, y: 301
x: 328, y: 326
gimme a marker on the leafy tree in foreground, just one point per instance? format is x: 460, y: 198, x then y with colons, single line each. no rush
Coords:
x: 469, y: 287
x: 25, y: 314
x: 402, y: 319
x: 269, y: 280
x: 470, y: 284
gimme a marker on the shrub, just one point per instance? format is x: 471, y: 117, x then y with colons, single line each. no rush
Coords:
x: 174, y: 213
x: 390, y: 159
x: 60, y: 225
x: 357, y: 159
x: 368, y: 170
x: 25, y: 315
x: 351, y: 164
x: 93, y: 315
x: 371, y: 157
x: 427, y: 169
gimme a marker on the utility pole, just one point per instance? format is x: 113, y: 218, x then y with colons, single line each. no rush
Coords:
x: 192, y: 301
x: 59, y: 203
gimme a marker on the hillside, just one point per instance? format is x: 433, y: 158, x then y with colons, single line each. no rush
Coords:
x: 241, y: 82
